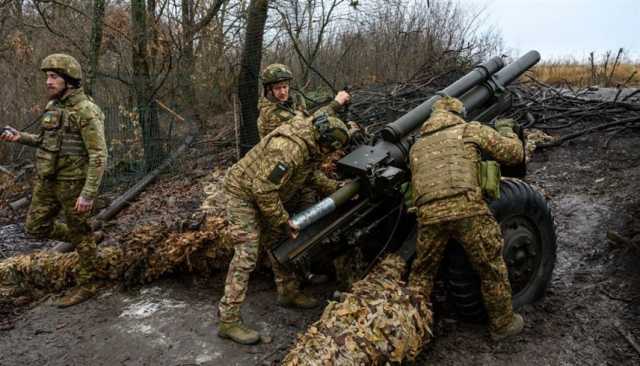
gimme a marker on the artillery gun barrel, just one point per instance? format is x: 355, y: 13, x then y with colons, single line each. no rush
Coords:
x: 475, y: 89
x: 479, y: 95
x: 401, y: 127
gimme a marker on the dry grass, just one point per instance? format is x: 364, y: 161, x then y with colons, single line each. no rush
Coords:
x: 609, y: 70
x: 581, y: 75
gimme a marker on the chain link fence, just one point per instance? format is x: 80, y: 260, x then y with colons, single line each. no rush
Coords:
x: 126, y: 142
x: 132, y: 149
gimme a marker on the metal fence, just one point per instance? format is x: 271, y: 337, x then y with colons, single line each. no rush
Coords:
x: 126, y: 142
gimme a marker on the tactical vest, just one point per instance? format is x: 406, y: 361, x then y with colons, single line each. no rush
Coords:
x: 440, y: 168
x: 60, y: 137
x: 241, y: 176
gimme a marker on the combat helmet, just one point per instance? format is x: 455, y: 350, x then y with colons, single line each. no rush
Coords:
x: 275, y: 73
x: 64, y: 65
x: 332, y: 132
x: 450, y: 104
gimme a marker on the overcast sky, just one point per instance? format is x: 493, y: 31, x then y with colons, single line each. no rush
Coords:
x: 562, y: 28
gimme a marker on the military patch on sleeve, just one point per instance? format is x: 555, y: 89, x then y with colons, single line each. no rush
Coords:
x: 278, y: 172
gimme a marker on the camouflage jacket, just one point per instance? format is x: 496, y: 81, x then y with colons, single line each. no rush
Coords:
x: 505, y: 148
x: 79, y: 150
x: 274, y: 113
x: 274, y: 170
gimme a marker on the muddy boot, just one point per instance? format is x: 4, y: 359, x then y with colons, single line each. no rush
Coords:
x: 238, y: 332
x: 297, y: 300
x: 77, y: 295
x: 516, y: 326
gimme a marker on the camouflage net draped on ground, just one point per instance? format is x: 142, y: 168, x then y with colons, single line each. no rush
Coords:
x: 143, y: 255
x: 380, y: 320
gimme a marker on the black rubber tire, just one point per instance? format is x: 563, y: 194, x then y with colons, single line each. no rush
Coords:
x: 528, y: 228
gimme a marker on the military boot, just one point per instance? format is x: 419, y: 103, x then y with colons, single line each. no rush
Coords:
x: 296, y: 299
x: 238, y: 332
x: 77, y: 295
x: 516, y: 326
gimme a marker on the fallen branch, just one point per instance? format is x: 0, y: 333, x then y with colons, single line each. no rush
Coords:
x: 132, y: 192
x: 16, y: 205
x: 215, y: 142
x: 612, y: 135
x: 7, y: 171
x: 627, y: 336
x: 617, y: 238
x: 571, y: 136
x: 631, y: 95
x: 618, y: 298
x: 171, y: 111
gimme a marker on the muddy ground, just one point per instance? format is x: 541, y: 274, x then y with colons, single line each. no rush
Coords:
x: 589, y: 316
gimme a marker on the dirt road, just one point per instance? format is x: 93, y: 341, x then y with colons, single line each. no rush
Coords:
x: 590, y: 315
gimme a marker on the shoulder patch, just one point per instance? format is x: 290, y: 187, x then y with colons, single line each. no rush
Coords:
x: 278, y: 172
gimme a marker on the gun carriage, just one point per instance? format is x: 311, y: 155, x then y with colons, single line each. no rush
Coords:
x: 370, y: 212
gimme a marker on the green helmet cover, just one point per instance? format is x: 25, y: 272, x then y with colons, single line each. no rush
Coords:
x: 276, y: 73
x: 62, y: 64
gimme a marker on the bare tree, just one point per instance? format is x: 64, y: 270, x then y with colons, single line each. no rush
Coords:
x: 96, y: 41
x: 250, y: 69
x: 143, y: 84
x: 190, y: 30
x: 307, y: 23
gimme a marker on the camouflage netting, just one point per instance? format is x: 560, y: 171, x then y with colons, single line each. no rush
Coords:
x: 143, y: 255
x: 380, y: 320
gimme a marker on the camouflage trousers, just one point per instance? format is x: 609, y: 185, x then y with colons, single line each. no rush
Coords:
x: 482, y: 241
x: 49, y: 198
x: 249, y: 231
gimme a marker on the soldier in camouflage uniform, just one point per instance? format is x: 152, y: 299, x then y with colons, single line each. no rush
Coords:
x: 450, y: 204
x: 70, y: 161
x: 277, y: 105
x: 260, y: 191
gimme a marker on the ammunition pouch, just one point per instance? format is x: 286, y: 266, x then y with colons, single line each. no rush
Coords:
x: 489, y: 178
x: 49, y: 149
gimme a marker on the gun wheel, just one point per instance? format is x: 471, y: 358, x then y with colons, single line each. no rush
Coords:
x: 529, y: 251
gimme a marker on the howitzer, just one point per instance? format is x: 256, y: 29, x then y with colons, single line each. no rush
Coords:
x: 369, y: 213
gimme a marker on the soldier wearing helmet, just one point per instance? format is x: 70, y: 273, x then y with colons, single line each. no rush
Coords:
x: 276, y: 176
x: 277, y: 105
x: 450, y: 204
x: 71, y: 157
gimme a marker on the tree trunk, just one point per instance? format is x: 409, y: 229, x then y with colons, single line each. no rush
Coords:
x: 249, y: 72
x: 96, y: 41
x: 186, y: 67
x: 143, y: 86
